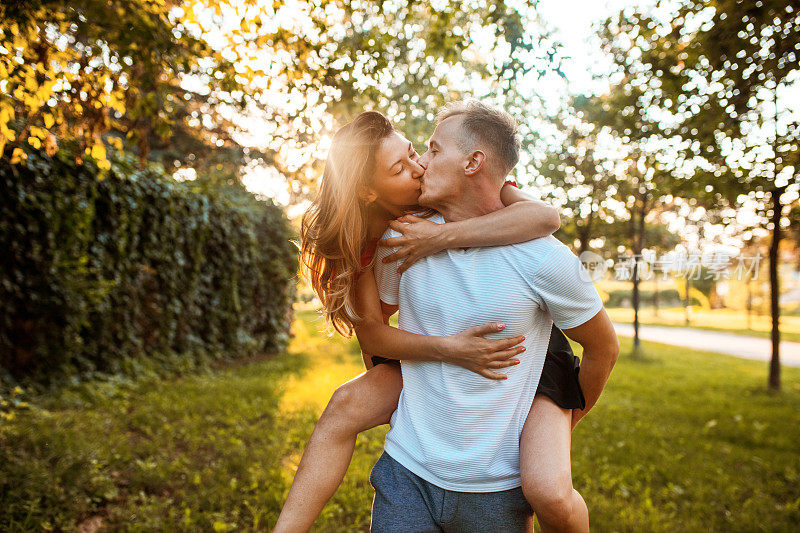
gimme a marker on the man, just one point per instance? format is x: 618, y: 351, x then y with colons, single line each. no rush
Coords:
x: 451, y: 460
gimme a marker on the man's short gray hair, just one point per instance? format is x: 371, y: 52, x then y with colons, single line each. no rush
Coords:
x: 486, y: 126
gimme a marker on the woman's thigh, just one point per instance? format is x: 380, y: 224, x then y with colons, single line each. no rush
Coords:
x: 373, y: 395
x: 545, y: 447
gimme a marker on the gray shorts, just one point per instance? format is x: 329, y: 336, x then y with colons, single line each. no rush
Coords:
x: 406, y: 503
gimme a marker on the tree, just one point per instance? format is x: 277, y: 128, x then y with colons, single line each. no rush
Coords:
x: 574, y: 165
x: 82, y: 68
x: 721, y: 73
x: 645, y: 177
x: 658, y: 239
x: 794, y: 226
x: 184, y: 79
x: 405, y: 59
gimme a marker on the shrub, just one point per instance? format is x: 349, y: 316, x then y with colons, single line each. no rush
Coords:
x: 109, y: 272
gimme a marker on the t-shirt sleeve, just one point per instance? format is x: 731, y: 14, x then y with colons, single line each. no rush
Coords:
x: 386, y: 276
x: 565, y: 289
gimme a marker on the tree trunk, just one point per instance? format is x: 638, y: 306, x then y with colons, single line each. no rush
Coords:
x: 635, y: 301
x: 583, y: 243
x: 638, y: 245
x: 774, y: 290
x: 585, y: 233
x: 687, y: 300
x: 635, y: 274
x: 655, y: 295
x: 750, y: 303
x: 144, y: 146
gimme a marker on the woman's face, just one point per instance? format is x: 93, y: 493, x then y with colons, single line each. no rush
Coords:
x: 395, y: 182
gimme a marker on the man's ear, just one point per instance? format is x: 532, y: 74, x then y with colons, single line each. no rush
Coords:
x: 475, y: 162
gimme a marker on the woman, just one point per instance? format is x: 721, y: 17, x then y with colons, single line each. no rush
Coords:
x: 370, y: 178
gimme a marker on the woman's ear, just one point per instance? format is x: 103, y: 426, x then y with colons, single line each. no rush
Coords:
x: 367, y: 195
x: 475, y: 162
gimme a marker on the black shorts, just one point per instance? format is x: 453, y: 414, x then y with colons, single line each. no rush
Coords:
x: 559, y: 380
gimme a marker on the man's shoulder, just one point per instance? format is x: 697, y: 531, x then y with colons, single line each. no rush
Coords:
x: 537, y: 249
x: 535, y: 255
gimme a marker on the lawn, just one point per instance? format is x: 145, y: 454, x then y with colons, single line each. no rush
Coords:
x: 725, y: 320
x: 681, y: 441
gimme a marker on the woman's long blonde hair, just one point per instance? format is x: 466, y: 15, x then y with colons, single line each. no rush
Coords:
x: 334, y: 229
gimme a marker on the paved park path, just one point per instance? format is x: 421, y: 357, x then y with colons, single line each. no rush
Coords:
x: 743, y: 346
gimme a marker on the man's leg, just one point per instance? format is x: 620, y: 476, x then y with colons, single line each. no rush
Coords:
x: 403, y: 501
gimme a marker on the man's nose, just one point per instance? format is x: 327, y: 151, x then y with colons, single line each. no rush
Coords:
x: 418, y: 169
x: 423, y: 161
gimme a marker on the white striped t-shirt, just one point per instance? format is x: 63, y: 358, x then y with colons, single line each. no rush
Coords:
x: 452, y: 427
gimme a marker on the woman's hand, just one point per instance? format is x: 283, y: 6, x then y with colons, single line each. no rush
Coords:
x: 421, y: 238
x: 470, y: 350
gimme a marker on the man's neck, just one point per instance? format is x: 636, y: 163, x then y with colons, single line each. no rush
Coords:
x: 472, y: 203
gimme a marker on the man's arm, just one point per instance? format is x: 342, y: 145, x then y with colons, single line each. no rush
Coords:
x: 600, y: 352
x: 524, y: 218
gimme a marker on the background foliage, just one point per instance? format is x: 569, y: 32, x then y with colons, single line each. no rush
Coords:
x: 211, y: 69
x: 100, y: 274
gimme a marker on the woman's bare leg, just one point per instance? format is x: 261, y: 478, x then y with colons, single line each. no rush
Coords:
x: 546, y: 469
x: 364, y: 402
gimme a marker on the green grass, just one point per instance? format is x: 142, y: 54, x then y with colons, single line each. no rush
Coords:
x: 681, y: 441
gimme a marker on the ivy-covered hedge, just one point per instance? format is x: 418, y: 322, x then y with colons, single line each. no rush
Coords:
x: 108, y: 273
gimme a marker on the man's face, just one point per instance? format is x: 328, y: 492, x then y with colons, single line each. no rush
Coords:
x: 444, y: 164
